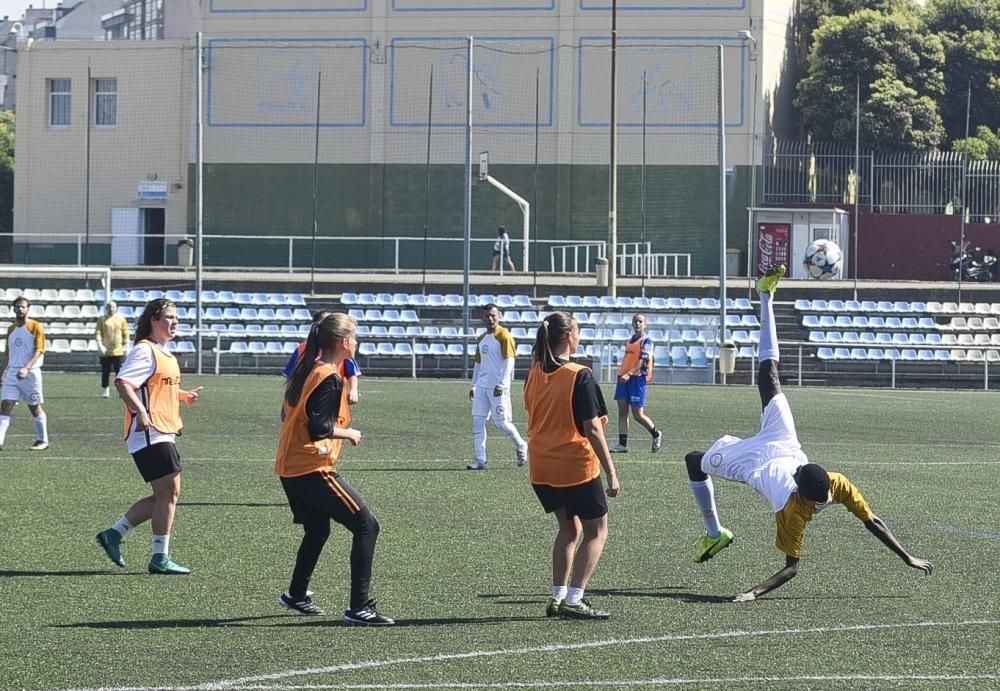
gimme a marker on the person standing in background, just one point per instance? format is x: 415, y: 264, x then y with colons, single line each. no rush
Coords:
x: 22, y: 372
x: 501, y: 250
x: 112, y: 335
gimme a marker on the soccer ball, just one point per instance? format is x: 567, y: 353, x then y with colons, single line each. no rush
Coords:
x: 823, y: 260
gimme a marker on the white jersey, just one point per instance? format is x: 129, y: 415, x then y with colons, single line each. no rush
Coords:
x: 139, y: 366
x: 766, y: 461
x: 22, y: 342
x: 494, y: 359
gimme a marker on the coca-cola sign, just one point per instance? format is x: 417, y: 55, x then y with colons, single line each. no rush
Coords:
x: 772, y: 245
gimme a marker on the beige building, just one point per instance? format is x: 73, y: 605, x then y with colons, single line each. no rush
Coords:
x: 106, y: 130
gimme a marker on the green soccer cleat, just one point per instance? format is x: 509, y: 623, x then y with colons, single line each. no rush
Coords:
x: 708, y: 547
x: 552, y: 609
x: 110, y: 541
x: 581, y: 610
x: 164, y: 565
x: 768, y: 283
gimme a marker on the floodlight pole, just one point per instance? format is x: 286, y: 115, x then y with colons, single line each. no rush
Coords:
x: 467, y: 241
x: 722, y: 201
x: 199, y: 190
x: 525, y: 212
x: 613, y: 162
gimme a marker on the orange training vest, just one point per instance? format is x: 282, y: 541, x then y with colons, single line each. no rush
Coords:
x: 560, y: 455
x: 297, y: 453
x: 160, y: 393
x: 633, y: 353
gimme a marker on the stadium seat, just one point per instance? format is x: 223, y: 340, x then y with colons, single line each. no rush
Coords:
x: 397, y: 331
x: 942, y: 355
x: 455, y: 349
x: 400, y: 299
x: 859, y: 354
x: 875, y: 354
x: 378, y: 331
x: 917, y: 339
x: 454, y: 300
x: 421, y: 349
x: 841, y: 354
x: 289, y: 347
x: 591, y: 302
x: 958, y: 355
x: 366, y: 299
x: 439, y: 349
x: 678, y: 356
x: 213, y: 313
x: 505, y: 302
x: 803, y: 305
x: 385, y: 349
x: 231, y: 313
x: 834, y: 337
x: 814, y: 337
x: 435, y: 300
x: 390, y: 315
x: 827, y: 321
x: 641, y: 303
x: 843, y: 321
x: 402, y: 350
x: 226, y: 297
x: 810, y: 321
x: 257, y: 348
x: 186, y: 348
x: 373, y: 315
x: 238, y: 348
x: 366, y: 349
x: 283, y: 314
x: 835, y: 306
x: 918, y: 307
x: 414, y: 332
x: 432, y: 332
x: 383, y: 300
x: 852, y: 306
x: 698, y: 357
x: 557, y: 301
x: 348, y: 298
x: 246, y: 313
x: 418, y: 300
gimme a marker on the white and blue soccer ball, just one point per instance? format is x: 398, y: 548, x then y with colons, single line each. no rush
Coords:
x: 824, y: 260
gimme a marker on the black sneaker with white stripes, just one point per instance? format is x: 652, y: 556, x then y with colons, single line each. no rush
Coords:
x: 303, y: 606
x: 366, y: 615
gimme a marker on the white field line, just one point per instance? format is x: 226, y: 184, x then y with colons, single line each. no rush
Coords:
x: 247, y: 682
x: 659, y: 681
x: 965, y: 531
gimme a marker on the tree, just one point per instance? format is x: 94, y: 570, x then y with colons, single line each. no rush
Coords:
x: 900, y: 72
x: 6, y: 171
x: 970, y: 34
x: 985, y: 145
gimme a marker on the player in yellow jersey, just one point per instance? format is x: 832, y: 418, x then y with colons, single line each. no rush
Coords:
x: 22, y: 372
x: 490, y: 393
x: 773, y: 463
x: 112, y: 339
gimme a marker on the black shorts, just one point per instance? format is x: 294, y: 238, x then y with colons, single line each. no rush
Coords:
x: 323, y: 494
x: 158, y: 460
x: 587, y: 501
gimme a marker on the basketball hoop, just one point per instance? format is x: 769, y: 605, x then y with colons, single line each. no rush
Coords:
x: 484, y: 165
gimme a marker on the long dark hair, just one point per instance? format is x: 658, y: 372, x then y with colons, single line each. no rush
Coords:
x: 153, y: 310
x: 551, y: 331
x: 322, y: 336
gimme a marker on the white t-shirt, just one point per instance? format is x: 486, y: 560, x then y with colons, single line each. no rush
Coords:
x: 494, y: 361
x: 139, y: 366
x: 766, y: 461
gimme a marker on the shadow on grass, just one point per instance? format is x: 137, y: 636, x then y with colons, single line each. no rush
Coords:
x: 165, y: 623
x: 31, y: 574
x: 333, y: 620
x: 668, y: 592
x: 408, y: 623
x: 251, y: 504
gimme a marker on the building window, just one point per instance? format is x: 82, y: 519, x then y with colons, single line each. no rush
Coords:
x: 105, y: 102
x: 59, y: 102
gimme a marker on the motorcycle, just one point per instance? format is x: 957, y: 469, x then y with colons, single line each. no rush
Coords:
x: 975, y: 265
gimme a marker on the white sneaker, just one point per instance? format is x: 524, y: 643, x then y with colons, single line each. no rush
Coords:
x: 618, y: 448
x: 522, y: 457
x: 105, y: 394
x: 476, y: 465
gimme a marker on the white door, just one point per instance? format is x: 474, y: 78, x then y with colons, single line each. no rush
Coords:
x: 126, y: 241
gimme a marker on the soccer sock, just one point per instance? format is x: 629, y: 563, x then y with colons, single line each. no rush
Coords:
x: 559, y: 592
x: 123, y: 526
x: 479, y: 436
x: 623, y: 440
x: 4, y: 424
x: 574, y: 595
x: 653, y: 432
x: 41, y: 427
x: 768, y: 347
x: 704, y: 494
x: 161, y: 544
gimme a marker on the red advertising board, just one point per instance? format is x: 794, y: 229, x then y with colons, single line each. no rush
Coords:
x: 772, y: 245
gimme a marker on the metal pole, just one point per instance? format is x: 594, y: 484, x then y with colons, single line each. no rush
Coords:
x: 753, y: 166
x: 644, y: 268
x: 965, y: 180
x: 199, y: 191
x: 613, y: 162
x: 86, y: 211
x: 722, y: 200
x: 427, y: 177
x: 315, y: 191
x: 467, y: 243
x: 857, y: 177
x: 534, y: 201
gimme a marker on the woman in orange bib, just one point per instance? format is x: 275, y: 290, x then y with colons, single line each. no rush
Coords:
x: 149, y: 382
x: 316, y: 420
x: 566, y: 452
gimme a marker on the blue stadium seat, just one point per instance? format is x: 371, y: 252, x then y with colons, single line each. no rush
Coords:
x: 875, y: 354
x: 378, y: 331
x: 239, y: 347
x: 372, y: 315
x: 257, y: 348
x: 418, y: 300
x: 390, y: 315
x: 827, y: 321
x: 400, y: 299
x: 742, y: 304
x: 289, y: 347
x: 841, y: 354
x: 366, y: 299
x: 226, y: 297
x: 851, y: 337
x: 835, y: 306
x: 454, y: 300
x: 859, y: 354
x: 803, y: 305
x: 383, y: 300
x: 455, y: 349
x: 834, y: 337
x: 439, y: 349
x: 824, y: 353
x: 523, y: 350
x: 843, y: 322
x: 591, y: 302
x: 557, y: 301
x: 852, y: 306
x: 397, y: 331
x: 678, y: 356
x: 421, y: 349
x: 384, y: 349
x: 574, y: 301
x: 942, y: 355
x: 367, y: 349
x: 810, y: 321
x: 402, y: 350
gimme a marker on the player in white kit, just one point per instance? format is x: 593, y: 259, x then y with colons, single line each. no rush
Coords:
x: 773, y: 463
x: 22, y: 373
x: 490, y: 393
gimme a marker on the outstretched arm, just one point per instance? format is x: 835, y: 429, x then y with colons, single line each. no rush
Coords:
x: 877, y: 527
x: 778, y: 579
